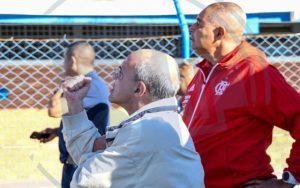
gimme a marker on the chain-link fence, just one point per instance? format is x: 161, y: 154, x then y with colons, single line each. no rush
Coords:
x: 283, y: 52
x: 31, y: 69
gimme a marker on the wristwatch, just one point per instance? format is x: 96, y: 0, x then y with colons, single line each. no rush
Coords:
x: 289, y: 178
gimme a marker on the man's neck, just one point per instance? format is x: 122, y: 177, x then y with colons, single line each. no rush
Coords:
x: 223, y: 50
x: 86, y: 70
x: 136, y: 106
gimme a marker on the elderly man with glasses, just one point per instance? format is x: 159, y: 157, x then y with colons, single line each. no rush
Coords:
x: 152, y: 148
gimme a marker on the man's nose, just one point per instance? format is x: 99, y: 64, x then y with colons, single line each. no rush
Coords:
x: 192, y: 29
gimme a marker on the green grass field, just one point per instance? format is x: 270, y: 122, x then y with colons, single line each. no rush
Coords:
x: 23, y: 159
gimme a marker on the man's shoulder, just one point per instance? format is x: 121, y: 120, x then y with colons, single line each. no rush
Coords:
x: 251, y: 54
x: 158, y: 127
x: 251, y: 57
x: 98, y: 92
x: 98, y: 81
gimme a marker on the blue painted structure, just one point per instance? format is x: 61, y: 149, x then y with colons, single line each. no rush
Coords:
x: 185, y: 34
x: 253, y: 21
x: 164, y: 19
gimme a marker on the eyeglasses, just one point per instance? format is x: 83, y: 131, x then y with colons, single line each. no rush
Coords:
x: 117, y: 73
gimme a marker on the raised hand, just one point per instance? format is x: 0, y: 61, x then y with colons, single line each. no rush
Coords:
x: 75, y: 89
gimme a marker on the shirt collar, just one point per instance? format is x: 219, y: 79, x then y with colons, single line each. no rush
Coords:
x: 162, y: 102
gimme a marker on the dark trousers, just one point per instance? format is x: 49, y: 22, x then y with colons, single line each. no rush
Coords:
x: 67, y: 174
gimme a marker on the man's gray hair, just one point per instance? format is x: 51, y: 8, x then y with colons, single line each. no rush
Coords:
x: 158, y: 82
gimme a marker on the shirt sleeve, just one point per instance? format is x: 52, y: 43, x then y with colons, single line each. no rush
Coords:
x: 112, y: 167
x: 79, y: 134
x: 108, y: 168
x: 276, y: 102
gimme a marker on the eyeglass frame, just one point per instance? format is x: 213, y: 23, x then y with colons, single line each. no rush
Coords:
x: 117, y: 73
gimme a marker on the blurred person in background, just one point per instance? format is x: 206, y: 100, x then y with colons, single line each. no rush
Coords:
x: 186, y: 72
x: 79, y: 60
x: 234, y: 102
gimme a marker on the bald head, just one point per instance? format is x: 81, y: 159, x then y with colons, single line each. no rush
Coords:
x: 218, y: 30
x: 158, y: 71
x: 79, y: 58
x: 82, y: 51
x: 227, y: 14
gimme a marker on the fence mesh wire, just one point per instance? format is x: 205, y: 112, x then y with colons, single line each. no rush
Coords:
x: 31, y: 69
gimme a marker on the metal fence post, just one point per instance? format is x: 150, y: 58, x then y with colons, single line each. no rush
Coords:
x: 184, y: 31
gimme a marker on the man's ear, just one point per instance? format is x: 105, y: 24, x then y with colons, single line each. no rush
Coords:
x: 73, y: 64
x: 140, y: 88
x: 220, y: 32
